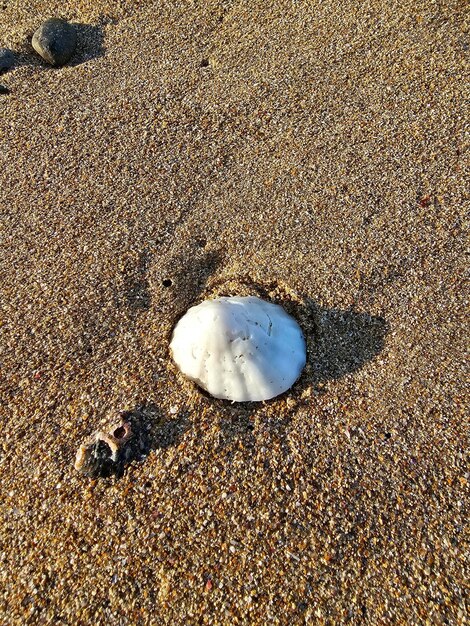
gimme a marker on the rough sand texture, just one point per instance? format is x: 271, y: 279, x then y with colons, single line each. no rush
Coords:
x: 311, y: 152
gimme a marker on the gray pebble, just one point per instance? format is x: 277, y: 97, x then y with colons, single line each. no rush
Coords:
x: 7, y: 59
x: 55, y: 41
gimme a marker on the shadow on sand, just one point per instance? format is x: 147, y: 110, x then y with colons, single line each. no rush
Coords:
x: 90, y: 43
x: 341, y: 341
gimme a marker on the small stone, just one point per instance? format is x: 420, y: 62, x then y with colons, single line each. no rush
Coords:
x: 7, y: 59
x: 55, y: 41
x: 4, y: 90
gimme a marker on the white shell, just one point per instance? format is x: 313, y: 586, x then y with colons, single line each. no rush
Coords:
x: 239, y: 349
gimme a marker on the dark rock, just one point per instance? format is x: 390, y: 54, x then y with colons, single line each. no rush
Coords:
x: 4, y: 90
x: 55, y: 41
x: 106, y: 453
x: 7, y: 59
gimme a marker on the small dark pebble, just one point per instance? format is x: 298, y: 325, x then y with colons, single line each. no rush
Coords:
x: 7, y: 59
x: 55, y: 41
x: 4, y: 90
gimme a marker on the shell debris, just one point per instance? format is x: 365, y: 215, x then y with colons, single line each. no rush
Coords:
x: 107, y: 452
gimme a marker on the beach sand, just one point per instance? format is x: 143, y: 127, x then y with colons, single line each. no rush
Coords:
x: 308, y: 152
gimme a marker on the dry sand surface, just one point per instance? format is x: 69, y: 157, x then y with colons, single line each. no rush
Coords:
x: 310, y: 152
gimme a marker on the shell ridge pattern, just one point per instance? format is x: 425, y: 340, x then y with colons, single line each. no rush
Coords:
x: 239, y: 348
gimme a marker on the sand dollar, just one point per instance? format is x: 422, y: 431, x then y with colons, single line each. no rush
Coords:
x: 239, y: 348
